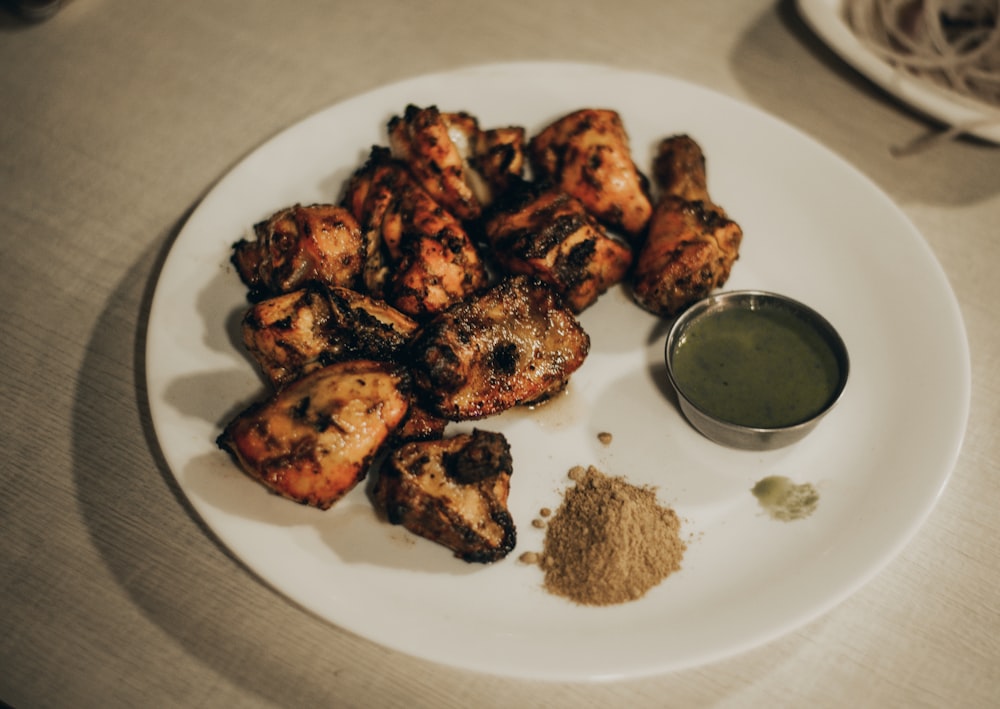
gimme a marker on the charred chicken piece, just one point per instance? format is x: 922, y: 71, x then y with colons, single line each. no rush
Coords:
x: 514, y: 344
x: 689, y: 252
x: 691, y: 245
x: 314, y: 441
x: 498, y: 156
x: 436, y: 264
x: 679, y: 170
x: 421, y: 258
x: 431, y: 144
x: 372, y: 197
x: 452, y: 492
x: 421, y: 424
x: 587, y: 153
x: 460, y: 165
x: 295, y: 333
x: 542, y: 231
x: 301, y: 245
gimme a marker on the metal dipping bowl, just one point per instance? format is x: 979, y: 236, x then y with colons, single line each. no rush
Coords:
x: 737, y: 435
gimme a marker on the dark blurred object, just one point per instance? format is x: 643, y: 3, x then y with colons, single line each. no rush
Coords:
x: 37, y: 10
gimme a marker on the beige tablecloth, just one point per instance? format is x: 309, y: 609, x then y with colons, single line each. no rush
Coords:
x: 117, y: 118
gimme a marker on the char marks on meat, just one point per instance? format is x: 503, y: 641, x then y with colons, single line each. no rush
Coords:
x: 691, y: 244
x: 588, y: 154
x: 419, y: 256
x: 319, y: 244
x: 431, y: 144
x: 538, y: 229
x: 314, y: 440
x: 293, y: 334
x: 453, y: 492
x: 461, y: 166
x: 514, y: 344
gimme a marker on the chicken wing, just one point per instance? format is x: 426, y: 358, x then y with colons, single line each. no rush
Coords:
x: 540, y: 230
x: 587, y: 153
x: 691, y: 245
x: 514, y: 344
x: 301, y: 245
x: 295, y: 333
x: 314, y: 441
x: 679, y: 170
x: 420, y: 257
x: 452, y: 492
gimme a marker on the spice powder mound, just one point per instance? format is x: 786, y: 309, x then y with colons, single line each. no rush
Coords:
x: 609, y: 541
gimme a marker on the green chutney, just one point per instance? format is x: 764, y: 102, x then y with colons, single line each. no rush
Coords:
x: 762, y: 368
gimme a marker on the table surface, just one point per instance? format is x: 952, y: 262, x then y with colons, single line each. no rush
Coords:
x: 118, y: 117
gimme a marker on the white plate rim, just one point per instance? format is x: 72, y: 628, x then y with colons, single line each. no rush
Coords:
x: 162, y: 365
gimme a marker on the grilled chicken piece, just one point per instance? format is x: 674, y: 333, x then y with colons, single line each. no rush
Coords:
x: 295, y: 333
x: 587, y: 153
x: 430, y: 143
x: 542, y: 231
x: 459, y: 164
x: 691, y: 245
x: 679, y: 170
x: 514, y: 344
x: 372, y: 197
x: 298, y: 246
x: 420, y: 257
x: 314, y: 441
x: 689, y: 252
x: 498, y: 156
x: 453, y: 492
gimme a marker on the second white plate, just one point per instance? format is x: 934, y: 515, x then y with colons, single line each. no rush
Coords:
x: 827, y: 20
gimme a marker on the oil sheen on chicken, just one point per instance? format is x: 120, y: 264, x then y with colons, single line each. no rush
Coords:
x: 542, y: 231
x: 314, y: 440
x: 453, y: 492
x: 588, y: 154
x: 293, y: 334
x: 514, y: 344
x: 462, y: 166
x: 691, y: 244
x: 301, y: 245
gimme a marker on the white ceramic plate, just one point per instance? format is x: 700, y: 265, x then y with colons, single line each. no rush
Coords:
x: 827, y: 20
x: 879, y: 460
